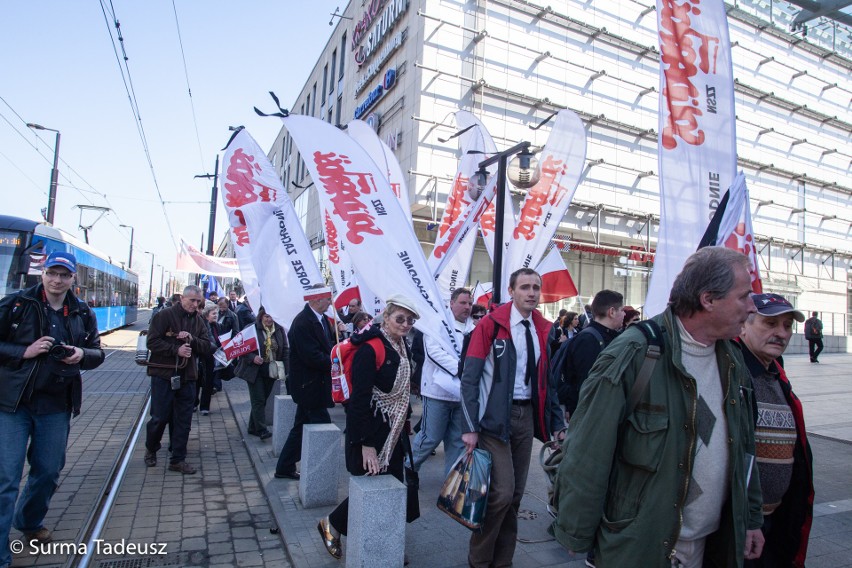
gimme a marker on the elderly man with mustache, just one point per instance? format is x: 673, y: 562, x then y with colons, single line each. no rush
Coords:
x: 783, y: 454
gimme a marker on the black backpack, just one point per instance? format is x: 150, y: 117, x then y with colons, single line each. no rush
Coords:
x: 559, y: 359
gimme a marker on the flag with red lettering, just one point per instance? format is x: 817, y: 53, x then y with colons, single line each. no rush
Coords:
x: 562, y: 161
x: 343, y: 278
x: 453, y: 250
x: 556, y: 282
x: 370, y: 222
x: 697, y: 125
x: 247, y: 179
x: 282, y: 257
x: 190, y: 259
x: 367, y: 138
x: 731, y: 227
x: 241, y: 344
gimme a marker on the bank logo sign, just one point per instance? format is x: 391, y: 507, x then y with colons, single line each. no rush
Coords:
x: 388, y: 81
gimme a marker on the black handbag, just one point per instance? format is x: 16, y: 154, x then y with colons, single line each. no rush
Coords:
x: 412, y: 483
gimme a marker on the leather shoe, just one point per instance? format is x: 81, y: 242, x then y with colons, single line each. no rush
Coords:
x: 150, y: 458
x: 265, y: 435
x: 182, y: 467
x: 288, y: 475
x: 41, y: 536
x: 332, y: 543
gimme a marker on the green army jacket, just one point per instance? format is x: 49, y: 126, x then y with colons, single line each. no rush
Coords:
x: 623, y: 481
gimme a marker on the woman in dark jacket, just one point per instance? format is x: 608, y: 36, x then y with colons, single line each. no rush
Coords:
x: 207, y: 363
x: 263, y: 370
x: 378, y: 409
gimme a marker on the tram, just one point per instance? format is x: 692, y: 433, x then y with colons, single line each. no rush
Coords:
x: 111, y: 291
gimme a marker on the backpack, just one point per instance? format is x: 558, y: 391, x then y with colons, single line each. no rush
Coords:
x: 559, y: 359
x: 551, y: 454
x: 342, y: 355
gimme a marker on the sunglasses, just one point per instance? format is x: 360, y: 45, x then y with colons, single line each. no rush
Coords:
x: 403, y: 319
x: 477, y: 316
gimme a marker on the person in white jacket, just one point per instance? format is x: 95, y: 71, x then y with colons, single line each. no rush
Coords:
x: 441, y: 391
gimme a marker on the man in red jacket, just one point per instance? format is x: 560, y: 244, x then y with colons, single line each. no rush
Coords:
x: 506, y: 400
x: 783, y: 455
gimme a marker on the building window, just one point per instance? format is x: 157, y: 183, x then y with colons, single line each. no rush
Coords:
x: 342, y: 54
x: 337, y: 112
x: 324, y: 82
x: 333, y: 65
x: 314, y: 98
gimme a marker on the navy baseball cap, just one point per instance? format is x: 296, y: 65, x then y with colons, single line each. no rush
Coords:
x: 65, y: 259
x: 775, y: 305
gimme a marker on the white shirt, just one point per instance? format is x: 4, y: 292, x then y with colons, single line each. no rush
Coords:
x: 519, y: 338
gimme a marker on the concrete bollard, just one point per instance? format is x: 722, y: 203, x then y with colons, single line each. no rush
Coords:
x: 376, y: 522
x: 322, y: 455
x: 269, y: 412
x: 284, y: 416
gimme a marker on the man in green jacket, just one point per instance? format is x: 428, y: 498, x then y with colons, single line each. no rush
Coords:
x: 671, y: 481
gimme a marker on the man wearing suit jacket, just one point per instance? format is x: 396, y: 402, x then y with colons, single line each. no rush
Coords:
x: 309, y: 383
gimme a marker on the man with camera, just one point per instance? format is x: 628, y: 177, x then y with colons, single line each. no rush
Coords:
x: 176, y: 337
x: 47, y: 336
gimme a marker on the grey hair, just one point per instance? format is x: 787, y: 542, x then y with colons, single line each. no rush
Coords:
x: 209, y: 308
x: 193, y: 289
x: 710, y: 269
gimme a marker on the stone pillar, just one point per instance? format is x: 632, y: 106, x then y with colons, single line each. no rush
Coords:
x: 283, y: 417
x: 322, y: 460
x: 269, y: 416
x: 376, y: 522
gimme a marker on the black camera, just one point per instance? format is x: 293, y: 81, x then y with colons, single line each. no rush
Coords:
x: 60, y: 351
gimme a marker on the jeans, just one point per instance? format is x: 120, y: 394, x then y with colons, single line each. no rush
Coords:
x: 47, y: 435
x: 441, y: 422
x: 292, y: 450
x: 173, y: 409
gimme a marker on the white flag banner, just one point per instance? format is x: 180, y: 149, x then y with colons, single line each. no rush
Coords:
x: 367, y: 138
x: 697, y: 141
x: 248, y: 179
x: 488, y: 227
x: 283, y: 260
x: 190, y: 259
x: 562, y: 163
x: 343, y: 278
x: 451, y: 256
x: 370, y: 222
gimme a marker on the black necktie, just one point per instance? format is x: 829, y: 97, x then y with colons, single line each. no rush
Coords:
x: 530, y: 374
x: 326, y: 327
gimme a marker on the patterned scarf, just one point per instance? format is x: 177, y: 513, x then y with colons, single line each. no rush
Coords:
x: 269, y: 346
x: 394, y: 404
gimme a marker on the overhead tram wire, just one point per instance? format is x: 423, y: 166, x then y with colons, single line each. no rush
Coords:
x: 188, y: 88
x: 134, y: 104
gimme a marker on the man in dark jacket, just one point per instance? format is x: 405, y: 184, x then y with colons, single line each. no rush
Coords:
x: 47, y: 336
x: 176, y: 337
x: 813, y: 333
x: 608, y: 309
x: 245, y: 316
x: 227, y: 320
x: 507, y: 400
x: 783, y: 454
x: 309, y: 383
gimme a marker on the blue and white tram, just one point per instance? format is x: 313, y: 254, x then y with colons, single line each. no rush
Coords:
x: 111, y: 291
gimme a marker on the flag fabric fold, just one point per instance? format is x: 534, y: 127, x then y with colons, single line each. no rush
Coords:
x: 190, y: 259
x: 556, y: 281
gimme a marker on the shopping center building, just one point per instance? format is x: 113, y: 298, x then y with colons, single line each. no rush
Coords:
x: 405, y: 66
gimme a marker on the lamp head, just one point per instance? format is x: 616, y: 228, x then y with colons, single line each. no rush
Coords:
x: 523, y: 170
x: 477, y: 184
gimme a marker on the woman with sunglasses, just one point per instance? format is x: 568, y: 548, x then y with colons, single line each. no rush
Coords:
x: 378, y: 408
x: 477, y: 312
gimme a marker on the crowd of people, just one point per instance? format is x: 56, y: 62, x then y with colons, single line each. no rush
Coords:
x: 696, y: 456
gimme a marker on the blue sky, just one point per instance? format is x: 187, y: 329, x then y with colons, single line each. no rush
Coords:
x: 59, y: 70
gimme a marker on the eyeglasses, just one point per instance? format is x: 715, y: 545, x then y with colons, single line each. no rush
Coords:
x: 403, y: 319
x: 60, y: 275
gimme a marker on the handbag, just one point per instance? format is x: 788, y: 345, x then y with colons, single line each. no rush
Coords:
x: 412, y: 483
x: 273, y: 370
x: 464, y: 494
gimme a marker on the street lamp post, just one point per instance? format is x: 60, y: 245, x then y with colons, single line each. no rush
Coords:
x: 524, y: 173
x: 151, y: 281
x: 212, y: 227
x: 54, y: 173
x: 129, y: 254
